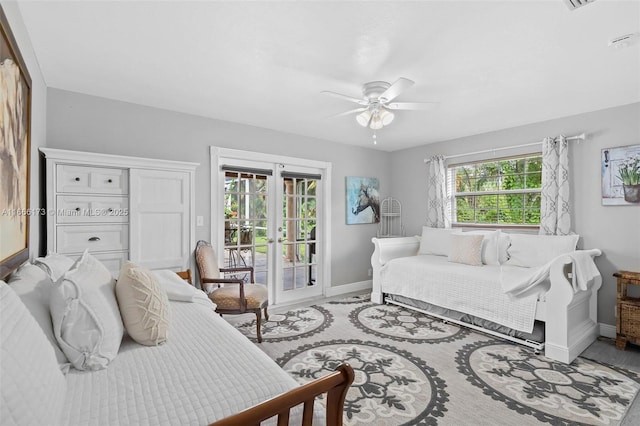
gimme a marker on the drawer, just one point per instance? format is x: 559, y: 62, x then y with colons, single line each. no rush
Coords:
x: 87, y: 209
x: 91, y: 180
x: 77, y: 238
x: 113, y: 261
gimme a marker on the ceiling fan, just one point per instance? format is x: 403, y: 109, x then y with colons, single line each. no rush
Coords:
x: 376, y: 107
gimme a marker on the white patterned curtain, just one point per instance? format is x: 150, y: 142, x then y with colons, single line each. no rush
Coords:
x: 437, y: 199
x: 555, y: 209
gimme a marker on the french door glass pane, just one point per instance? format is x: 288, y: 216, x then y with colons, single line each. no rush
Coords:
x: 245, y: 204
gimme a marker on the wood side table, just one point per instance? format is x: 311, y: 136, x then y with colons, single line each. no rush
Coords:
x: 627, y: 310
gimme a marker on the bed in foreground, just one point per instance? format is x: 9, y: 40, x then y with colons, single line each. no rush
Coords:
x: 205, y: 372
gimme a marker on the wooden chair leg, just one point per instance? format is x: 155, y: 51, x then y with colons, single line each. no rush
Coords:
x: 259, y: 325
x: 266, y: 315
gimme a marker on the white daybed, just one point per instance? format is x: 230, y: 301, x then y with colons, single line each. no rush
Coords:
x: 204, y: 373
x: 567, y: 308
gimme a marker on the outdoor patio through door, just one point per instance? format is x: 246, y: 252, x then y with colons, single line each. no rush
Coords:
x: 270, y: 218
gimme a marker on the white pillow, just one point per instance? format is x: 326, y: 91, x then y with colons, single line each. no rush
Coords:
x: 33, y: 286
x: 33, y: 389
x: 436, y: 241
x: 54, y: 264
x: 143, y: 305
x: 537, y: 250
x: 494, y: 246
x: 466, y: 249
x: 86, y: 319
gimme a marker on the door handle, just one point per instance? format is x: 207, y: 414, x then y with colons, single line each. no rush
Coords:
x: 270, y: 240
x: 280, y: 239
x: 94, y: 239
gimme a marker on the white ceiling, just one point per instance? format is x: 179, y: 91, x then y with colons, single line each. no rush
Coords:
x: 490, y: 64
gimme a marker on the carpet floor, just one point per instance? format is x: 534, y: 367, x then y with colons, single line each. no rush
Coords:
x: 413, y: 369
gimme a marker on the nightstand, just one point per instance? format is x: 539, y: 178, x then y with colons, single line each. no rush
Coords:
x: 627, y: 310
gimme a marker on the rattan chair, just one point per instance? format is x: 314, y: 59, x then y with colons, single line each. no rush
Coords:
x: 231, y: 295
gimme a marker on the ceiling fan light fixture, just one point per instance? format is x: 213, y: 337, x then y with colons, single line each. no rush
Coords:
x: 386, y: 116
x: 364, y: 118
x: 376, y: 122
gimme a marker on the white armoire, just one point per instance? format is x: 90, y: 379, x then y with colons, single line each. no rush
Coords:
x: 120, y: 208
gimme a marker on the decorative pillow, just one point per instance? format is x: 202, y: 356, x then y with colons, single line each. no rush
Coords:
x: 466, y: 249
x: 537, y: 250
x: 143, y: 305
x: 33, y: 388
x: 435, y: 241
x: 86, y: 319
x: 33, y: 286
x: 54, y: 265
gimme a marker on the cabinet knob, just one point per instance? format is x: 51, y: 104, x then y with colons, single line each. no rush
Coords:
x: 77, y: 179
x: 110, y: 210
x: 94, y: 239
x: 77, y: 209
x: 109, y: 180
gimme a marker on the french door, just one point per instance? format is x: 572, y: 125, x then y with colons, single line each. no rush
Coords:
x: 267, y: 212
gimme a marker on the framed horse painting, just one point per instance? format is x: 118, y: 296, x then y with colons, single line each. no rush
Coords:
x: 15, y: 107
x: 363, y: 201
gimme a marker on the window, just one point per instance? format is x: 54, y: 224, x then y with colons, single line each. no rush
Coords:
x: 500, y: 192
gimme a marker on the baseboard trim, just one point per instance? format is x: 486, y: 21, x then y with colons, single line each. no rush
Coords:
x: 349, y: 288
x: 607, y: 330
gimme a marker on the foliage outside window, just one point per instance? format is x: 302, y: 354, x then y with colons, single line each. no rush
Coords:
x: 499, y: 192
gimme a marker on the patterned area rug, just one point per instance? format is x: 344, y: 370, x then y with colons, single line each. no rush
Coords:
x: 413, y: 369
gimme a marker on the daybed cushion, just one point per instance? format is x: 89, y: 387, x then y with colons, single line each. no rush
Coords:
x: 33, y: 286
x: 207, y: 370
x: 85, y: 314
x: 530, y: 251
x: 54, y: 264
x: 466, y: 249
x: 144, y: 306
x: 436, y: 241
x: 33, y: 387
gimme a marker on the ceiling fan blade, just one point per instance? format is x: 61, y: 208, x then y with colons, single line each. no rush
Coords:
x: 396, y: 88
x: 353, y: 111
x: 348, y: 98
x: 412, y: 105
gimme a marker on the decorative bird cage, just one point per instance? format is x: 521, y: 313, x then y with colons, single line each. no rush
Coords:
x: 390, y: 219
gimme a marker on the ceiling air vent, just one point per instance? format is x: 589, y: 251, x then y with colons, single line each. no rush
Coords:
x: 574, y: 4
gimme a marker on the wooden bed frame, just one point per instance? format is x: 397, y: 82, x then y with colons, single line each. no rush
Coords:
x: 335, y: 385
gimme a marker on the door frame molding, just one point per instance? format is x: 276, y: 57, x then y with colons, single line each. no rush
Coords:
x: 217, y: 198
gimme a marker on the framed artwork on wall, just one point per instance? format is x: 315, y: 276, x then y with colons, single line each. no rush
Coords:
x: 15, y: 119
x: 363, y: 201
x: 621, y: 176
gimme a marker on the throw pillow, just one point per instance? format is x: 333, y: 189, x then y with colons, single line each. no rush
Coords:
x: 436, y: 241
x: 33, y: 389
x: 54, y: 264
x: 529, y: 250
x: 143, y: 305
x: 86, y: 319
x: 466, y: 249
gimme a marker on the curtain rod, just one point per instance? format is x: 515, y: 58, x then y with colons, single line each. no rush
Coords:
x: 579, y: 137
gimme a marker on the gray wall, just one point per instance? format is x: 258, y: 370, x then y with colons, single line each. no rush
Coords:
x: 38, y: 122
x: 613, y: 229
x: 87, y: 123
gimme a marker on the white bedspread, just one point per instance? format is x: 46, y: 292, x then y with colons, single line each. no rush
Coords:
x: 206, y: 371
x: 475, y: 290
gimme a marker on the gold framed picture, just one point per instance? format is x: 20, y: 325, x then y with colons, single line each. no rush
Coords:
x: 15, y: 121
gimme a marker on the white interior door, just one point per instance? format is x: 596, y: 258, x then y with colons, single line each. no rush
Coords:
x: 269, y: 215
